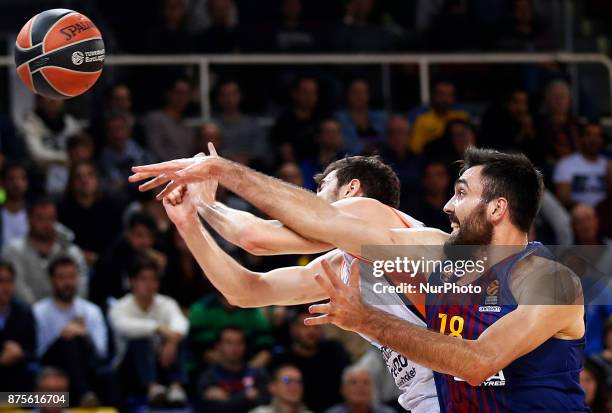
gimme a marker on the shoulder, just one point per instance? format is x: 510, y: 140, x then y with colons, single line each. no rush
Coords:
x: 20, y: 308
x: 165, y: 300
x: 41, y: 307
x: 540, y: 280
x: 89, y: 306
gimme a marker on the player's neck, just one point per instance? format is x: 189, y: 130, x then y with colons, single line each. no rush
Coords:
x: 507, y: 234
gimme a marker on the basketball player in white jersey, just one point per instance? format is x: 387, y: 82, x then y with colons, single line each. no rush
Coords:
x: 362, y: 184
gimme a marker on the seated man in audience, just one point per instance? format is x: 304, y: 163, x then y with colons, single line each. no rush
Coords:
x: 357, y: 393
x: 72, y: 334
x: 209, y: 316
x: 429, y: 126
x: 320, y: 361
x: 30, y: 256
x: 149, y: 329
x: 427, y: 207
x: 14, y: 214
x: 229, y: 385
x: 329, y: 149
x: 287, y: 390
x: 585, y: 176
x: 110, y: 278
x: 17, y: 336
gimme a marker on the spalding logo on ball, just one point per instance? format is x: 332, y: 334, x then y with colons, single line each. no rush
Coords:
x: 59, y: 54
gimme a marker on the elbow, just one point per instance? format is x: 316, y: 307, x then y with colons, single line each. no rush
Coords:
x: 480, y: 371
x: 251, y: 243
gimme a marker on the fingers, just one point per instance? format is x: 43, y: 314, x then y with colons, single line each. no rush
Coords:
x: 318, y: 321
x: 140, y: 176
x: 154, y: 183
x: 158, y: 168
x: 211, y: 149
x: 320, y: 308
x: 333, y: 278
x: 168, y: 189
x: 354, y: 279
x: 176, y: 196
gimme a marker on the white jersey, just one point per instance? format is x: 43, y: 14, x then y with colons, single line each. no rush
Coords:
x: 415, y: 381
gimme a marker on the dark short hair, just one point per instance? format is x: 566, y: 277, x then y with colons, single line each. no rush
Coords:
x: 60, y: 261
x: 9, y: 166
x: 38, y: 203
x: 8, y: 267
x: 508, y: 175
x: 141, y: 219
x: 276, y: 368
x: 140, y: 264
x: 231, y: 327
x: 377, y: 178
x: 79, y: 139
x: 48, y: 371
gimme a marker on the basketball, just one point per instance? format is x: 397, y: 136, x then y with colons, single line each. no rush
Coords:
x: 59, y: 54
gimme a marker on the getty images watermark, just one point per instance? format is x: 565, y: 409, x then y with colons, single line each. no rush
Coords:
x: 406, y: 267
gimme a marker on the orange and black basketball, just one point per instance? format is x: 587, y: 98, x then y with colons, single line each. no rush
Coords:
x: 59, y: 53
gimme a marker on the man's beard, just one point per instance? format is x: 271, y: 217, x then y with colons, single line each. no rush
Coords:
x: 475, y: 231
x: 66, y: 295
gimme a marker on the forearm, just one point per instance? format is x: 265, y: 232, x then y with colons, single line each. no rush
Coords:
x: 298, y: 209
x: 444, y: 354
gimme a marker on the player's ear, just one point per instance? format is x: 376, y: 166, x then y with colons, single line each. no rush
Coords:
x: 498, y: 209
x: 353, y: 188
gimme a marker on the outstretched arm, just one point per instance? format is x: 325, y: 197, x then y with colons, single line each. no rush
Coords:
x: 256, y: 235
x: 474, y: 361
x: 283, y: 286
x: 298, y: 209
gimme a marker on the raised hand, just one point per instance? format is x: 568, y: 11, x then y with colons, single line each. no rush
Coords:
x: 175, y: 173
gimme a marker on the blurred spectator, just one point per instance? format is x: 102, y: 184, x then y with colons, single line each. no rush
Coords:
x: 287, y: 390
x: 605, y: 218
x: 244, y: 141
x: 17, y: 336
x: 209, y: 316
x: 320, y: 361
x: 46, y: 240
x: 552, y: 225
x: 585, y: 225
x: 584, y: 176
x: 362, y: 127
x: 430, y: 124
x: 557, y: 127
x: 79, y: 148
x: 209, y: 132
x: 110, y: 277
x: 118, y: 100
x: 183, y: 279
x: 357, y: 393
x: 170, y: 34
x: 294, y: 131
x: 458, y: 135
x: 397, y: 153
x: 509, y: 125
x: 329, y: 144
x: 14, y: 216
x: 290, y: 172
x: 167, y: 134
x: 230, y: 385
x: 428, y: 207
x: 222, y: 35
x: 593, y: 383
x: 199, y: 16
x: 604, y: 359
x: 119, y: 154
x: 150, y: 329
x: 50, y: 379
x: 384, y: 389
x: 46, y: 131
x: 454, y: 28
x: 88, y: 212
x: 72, y: 334
x: 291, y: 35
x: 357, y: 33
x: 524, y: 31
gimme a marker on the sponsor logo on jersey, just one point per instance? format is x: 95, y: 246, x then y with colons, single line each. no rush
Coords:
x: 495, y: 380
x: 492, y: 293
x: 489, y: 309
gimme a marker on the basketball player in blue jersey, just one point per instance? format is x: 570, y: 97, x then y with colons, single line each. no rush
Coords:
x: 525, y: 358
x: 357, y: 183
